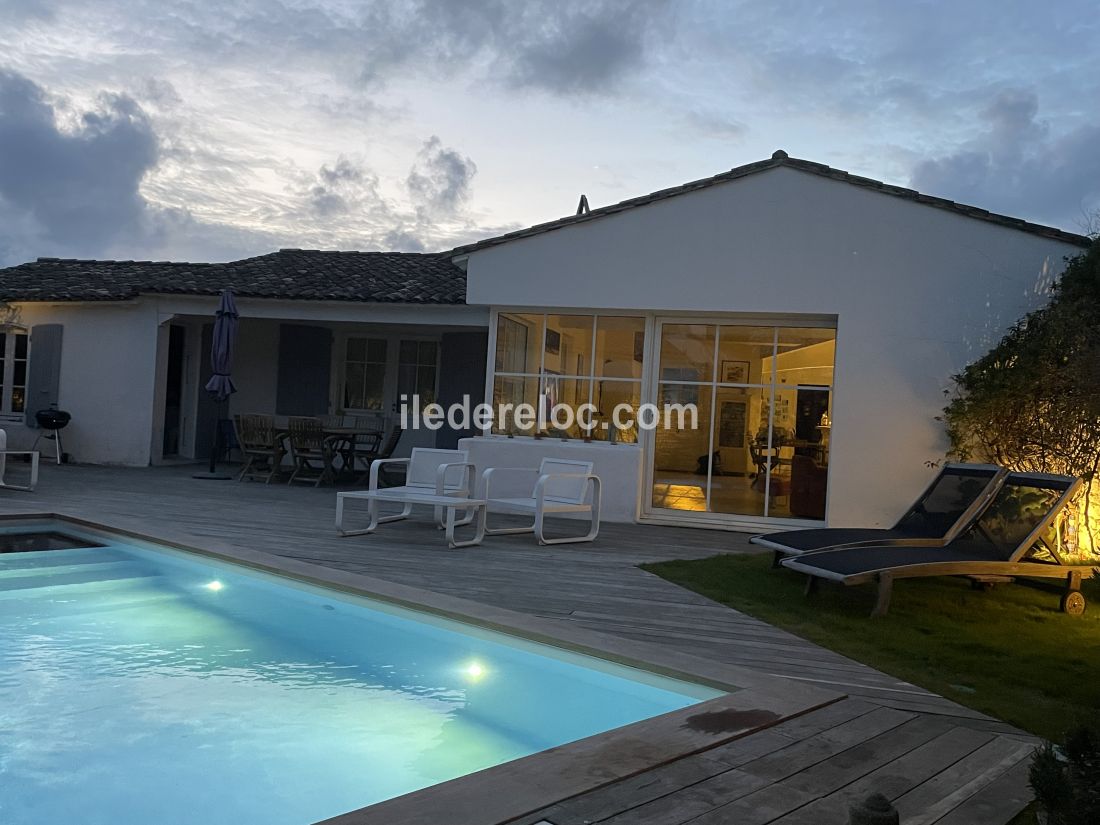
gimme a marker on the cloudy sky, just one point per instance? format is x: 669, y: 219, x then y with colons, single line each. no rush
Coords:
x: 197, y: 130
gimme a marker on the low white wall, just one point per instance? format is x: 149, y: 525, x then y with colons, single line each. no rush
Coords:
x: 108, y: 368
x: 619, y: 466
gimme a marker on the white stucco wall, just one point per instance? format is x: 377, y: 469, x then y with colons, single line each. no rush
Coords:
x: 108, y: 364
x: 919, y: 292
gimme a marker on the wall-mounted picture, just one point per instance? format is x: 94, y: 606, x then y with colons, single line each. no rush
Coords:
x: 553, y: 341
x: 733, y: 422
x: 734, y: 372
x: 639, y: 346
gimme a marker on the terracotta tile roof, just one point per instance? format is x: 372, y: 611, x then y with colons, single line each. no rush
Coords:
x: 781, y: 158
x: 292, y: 274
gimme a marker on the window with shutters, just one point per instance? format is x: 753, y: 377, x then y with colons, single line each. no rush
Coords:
x: 14, y: 349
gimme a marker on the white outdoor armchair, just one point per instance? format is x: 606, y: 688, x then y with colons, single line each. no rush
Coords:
x: 560, y: 487
x: 4, y: 453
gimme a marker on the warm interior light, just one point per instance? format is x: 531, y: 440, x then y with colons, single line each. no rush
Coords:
x: 214, y: 585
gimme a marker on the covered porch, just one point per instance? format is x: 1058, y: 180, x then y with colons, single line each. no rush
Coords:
x: 347, y: 364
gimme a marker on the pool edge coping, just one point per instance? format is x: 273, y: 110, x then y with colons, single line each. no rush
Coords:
x: 523, y: 786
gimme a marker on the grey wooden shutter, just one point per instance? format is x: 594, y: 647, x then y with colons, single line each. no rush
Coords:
x: 44, y: 373
x: 305, y: 366
x: 462, y: 372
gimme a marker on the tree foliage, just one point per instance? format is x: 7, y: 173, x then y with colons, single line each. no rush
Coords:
x: 1032, y: 403
x: 1064, y: 779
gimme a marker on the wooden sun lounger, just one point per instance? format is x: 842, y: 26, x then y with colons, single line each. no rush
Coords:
x: 1008, y: 541
x: 950, y: 504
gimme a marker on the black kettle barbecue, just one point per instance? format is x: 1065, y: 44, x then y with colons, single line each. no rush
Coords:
x: 51, y: 423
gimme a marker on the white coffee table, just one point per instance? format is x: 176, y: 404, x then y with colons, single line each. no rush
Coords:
x: 449, y: 504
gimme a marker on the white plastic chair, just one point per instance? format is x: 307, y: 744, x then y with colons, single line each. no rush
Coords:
x: 4, y: 453
x: 428, y: 472
x: 560, y: 486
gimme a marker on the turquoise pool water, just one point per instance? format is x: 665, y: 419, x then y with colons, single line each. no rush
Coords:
x: 145, y: 685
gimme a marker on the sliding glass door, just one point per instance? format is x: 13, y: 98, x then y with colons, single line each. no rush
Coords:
x: 760, y: 444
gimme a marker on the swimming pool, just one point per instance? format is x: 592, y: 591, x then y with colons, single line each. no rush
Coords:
x: 143, y: 684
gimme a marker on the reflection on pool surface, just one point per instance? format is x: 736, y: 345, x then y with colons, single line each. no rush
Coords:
x: 147, y: 685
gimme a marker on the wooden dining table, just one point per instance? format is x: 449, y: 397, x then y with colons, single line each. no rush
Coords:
x: 350, y: 436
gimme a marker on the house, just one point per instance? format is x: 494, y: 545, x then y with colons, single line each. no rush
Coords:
x: 812, y: 317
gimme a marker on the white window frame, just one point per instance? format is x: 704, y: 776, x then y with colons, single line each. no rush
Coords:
x: 8, y: 374
x: 391, y: 402
x: 660, y: 515
x: 343, y: 369
x: 400, y: 339
x: 492, y: 373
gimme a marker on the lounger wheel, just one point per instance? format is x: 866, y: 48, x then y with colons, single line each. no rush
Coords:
x: 1073, y: 603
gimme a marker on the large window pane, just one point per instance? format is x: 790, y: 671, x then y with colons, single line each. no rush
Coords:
x: 740, y: 464
x: 416, y: 370
x: 364, y: 373
x: 745, y: 354
x: 13, y: 371
x: 568, y: 345
x: 687, y: 352
x: 568, y: 393
x: 806, y: 356
x: 620, y: 345
x: 356, y: 350
x: 519, y: 343
x: 765, y: 441
x: 800, y: 481
x: 609, y: 395
x: 680, y: 456
x: 513, y: 391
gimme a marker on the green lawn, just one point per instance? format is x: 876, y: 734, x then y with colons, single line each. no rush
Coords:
x: 1007, y: 652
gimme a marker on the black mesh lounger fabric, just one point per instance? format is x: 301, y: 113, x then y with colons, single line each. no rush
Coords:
x: 1023, y: 505
x: 931, y: 517
x: 855, y: 560
x: 953, y: 493
x: 805, y: 541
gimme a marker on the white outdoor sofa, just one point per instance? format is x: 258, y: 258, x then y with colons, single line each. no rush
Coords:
x: 4, y: 453
x: 560, y: 487
x: 440, y: 479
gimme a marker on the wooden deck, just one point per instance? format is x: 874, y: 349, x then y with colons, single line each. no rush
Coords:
x: 940, y: 762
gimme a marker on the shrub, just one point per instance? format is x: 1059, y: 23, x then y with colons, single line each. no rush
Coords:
x: 1065, y: 780
x: 1032, y: 403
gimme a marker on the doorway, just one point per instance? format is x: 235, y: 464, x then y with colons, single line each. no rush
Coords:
x: 759, y: 449
x: 173, y: 392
